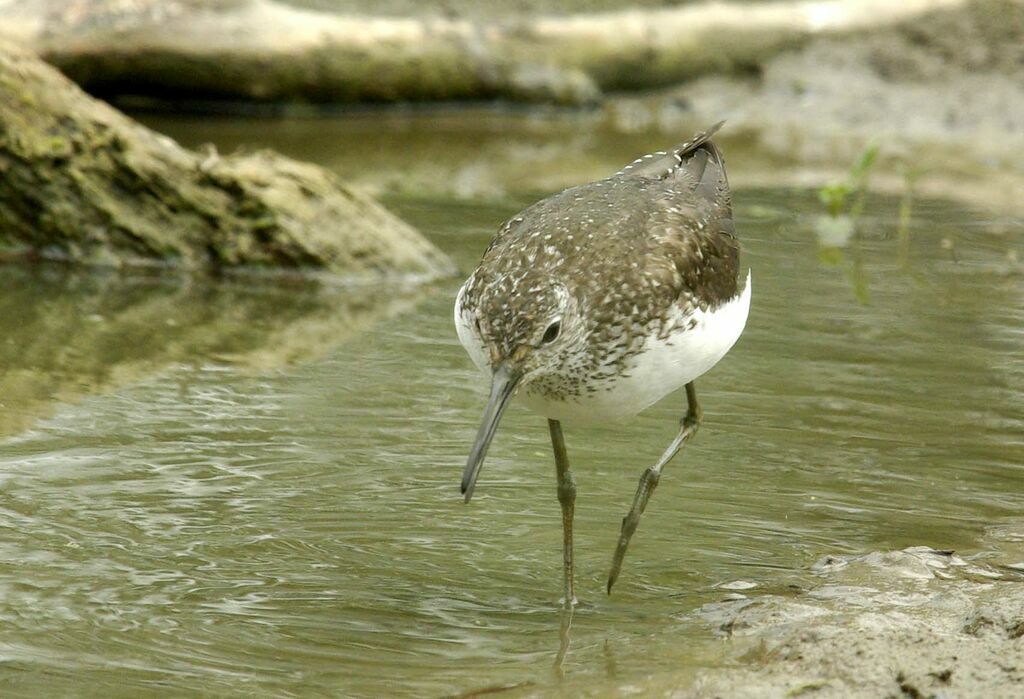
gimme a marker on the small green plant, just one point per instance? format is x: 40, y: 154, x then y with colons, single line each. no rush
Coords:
x: 835, y: 195
x: 844, y: 203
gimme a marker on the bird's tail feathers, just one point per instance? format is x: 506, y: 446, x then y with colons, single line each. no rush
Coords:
x: 690, y: 159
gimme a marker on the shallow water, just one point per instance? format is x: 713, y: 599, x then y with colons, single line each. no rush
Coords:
x: 254, y: 487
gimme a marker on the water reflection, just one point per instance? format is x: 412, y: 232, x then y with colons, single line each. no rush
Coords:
x: 70, y: 334
x: 564, y: 639
x: 839, y: 248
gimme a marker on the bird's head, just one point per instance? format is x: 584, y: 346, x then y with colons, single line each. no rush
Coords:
x: 528, y: 330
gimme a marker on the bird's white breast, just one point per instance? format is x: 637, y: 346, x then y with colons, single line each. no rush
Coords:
x: 661, y: 367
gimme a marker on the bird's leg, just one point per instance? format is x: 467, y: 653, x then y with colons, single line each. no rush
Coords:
x: 567, y: 499
x: 649, y: 480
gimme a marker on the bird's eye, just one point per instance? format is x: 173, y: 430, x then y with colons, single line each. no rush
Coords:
x: 551, y: 334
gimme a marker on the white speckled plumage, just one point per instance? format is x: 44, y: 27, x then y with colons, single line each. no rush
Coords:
x: 598, y: 301
x: 663, y: 366
x: 640, y: 271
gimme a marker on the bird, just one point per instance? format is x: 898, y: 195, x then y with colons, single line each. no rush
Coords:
x: 594, y: 303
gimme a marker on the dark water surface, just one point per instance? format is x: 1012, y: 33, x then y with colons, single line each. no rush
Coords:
x: 252, y: 487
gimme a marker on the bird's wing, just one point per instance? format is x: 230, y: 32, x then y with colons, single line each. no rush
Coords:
x: 690, y: 220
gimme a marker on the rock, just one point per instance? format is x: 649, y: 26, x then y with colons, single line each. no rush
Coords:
x: 81, y: 182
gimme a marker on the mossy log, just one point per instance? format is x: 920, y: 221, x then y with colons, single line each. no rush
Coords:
x: 79, y: 181
x: 265, y: 51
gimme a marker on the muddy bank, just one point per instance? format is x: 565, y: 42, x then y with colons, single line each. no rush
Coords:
x: 913, y: 623
x: 265, y: 51
x: 941, y: 96
x: 83, y: 183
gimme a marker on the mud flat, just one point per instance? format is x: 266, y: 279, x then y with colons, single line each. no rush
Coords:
x: 941, y: 95
x: 911, y: 623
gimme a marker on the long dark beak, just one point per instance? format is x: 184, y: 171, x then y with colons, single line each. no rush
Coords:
x: 503, y: 385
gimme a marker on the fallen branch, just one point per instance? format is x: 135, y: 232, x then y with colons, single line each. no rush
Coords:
x: 265, y: 51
